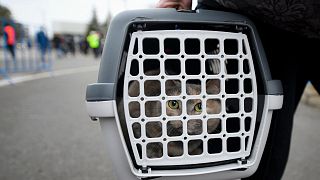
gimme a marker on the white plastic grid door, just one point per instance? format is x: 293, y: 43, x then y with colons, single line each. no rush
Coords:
x: 173, y: 116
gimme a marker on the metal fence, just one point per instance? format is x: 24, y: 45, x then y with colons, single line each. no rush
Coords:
x: 27, y: 59
x: 26, y: 56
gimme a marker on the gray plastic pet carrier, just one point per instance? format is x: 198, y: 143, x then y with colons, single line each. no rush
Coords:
x: 183, y: 95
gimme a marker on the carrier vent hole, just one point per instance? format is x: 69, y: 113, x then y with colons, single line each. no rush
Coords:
x: 192, y: 46
x: 247, y: 86
x: 232, y: 105
x: 194, y: 107
x: 233, y: 125
x: 193, y: 87
x: 172, y: 67
x: 134, y: 89
x: 135, y: 47
x: 194, y: 127
x: 232, y: 66
x: 248, y: 103
x: 212, y: 46
x: 134, y: 109
x: 246, y: 142
x: 154, y: 129
x: 150, y: 46
x: 136, y: 130
x: 212, y: 66
x: 152, y: 88
x: 231, y: 46
x: 174, y: 128
x: 174, y: 108
x: 246, y: 67
x: 193, y: 67
x: 154, y: 150
x: 232, y: 86
x: 134, y: 68
x: 195, y: 147
x: 233, y: 144
x: 154, y: 109
x: 214, y: 126
x: 247, y: 124
x: 151, y: 66
x: 175, y: 148
x: 244, y: 49
x: 171, y: 46
x: 214, y: 146
x: 139, y: 148
x: 213, y: 86
x: 173, y: 87
x: 213, y: 106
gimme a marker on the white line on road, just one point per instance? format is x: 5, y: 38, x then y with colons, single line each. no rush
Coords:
x: 20, y: 79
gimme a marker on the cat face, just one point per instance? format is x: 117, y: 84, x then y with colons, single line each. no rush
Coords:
x: 194, y: 107
x: 174, y: 108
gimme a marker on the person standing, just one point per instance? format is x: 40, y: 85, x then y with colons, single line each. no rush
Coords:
x: 57, y: 44
x: 289, y: 31
x: 43, y: 43
x: 94, y: 42
x: 10, y: 40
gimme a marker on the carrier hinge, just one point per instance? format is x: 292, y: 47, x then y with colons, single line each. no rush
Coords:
x: 140, y: 26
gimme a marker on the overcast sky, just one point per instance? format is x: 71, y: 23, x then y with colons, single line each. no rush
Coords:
x: 36, y: 13
x: 44, y: 11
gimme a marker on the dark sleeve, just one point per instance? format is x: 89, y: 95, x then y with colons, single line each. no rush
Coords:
x: 299, y: 16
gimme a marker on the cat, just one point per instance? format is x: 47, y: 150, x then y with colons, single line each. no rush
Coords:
x: 173, y: 108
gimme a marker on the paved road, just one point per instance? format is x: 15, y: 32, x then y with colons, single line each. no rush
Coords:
x: 45, y: 134
x: 304, y: 160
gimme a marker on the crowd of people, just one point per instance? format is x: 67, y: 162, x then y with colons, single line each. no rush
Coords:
x: 64, y: 44
x: 68, y: 44
x: 23, y: 52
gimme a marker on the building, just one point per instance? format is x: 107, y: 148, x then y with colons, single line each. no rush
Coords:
x: 69, y: 28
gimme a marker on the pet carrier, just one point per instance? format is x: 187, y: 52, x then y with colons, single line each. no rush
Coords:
x: 183, y: 94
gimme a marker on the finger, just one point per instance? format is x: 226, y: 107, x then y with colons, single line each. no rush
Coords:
x: 168, y: 4
x: 185, y: 4
x: 182, y: 6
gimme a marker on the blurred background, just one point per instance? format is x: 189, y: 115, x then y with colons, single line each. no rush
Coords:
x: 49, y: 51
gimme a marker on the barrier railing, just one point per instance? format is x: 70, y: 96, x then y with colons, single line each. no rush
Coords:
x: 26, y: 60
x: 20, y: 52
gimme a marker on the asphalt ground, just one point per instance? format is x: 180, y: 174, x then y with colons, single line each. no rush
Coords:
x: 45, y: 132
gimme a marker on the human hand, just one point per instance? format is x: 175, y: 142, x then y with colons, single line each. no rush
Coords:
x: 178, y: 4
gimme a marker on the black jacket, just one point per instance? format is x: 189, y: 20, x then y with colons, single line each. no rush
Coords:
x: 299, y: 16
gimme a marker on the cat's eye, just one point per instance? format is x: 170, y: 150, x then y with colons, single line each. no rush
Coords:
x: 198, y: 107
x: 173, y: 104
